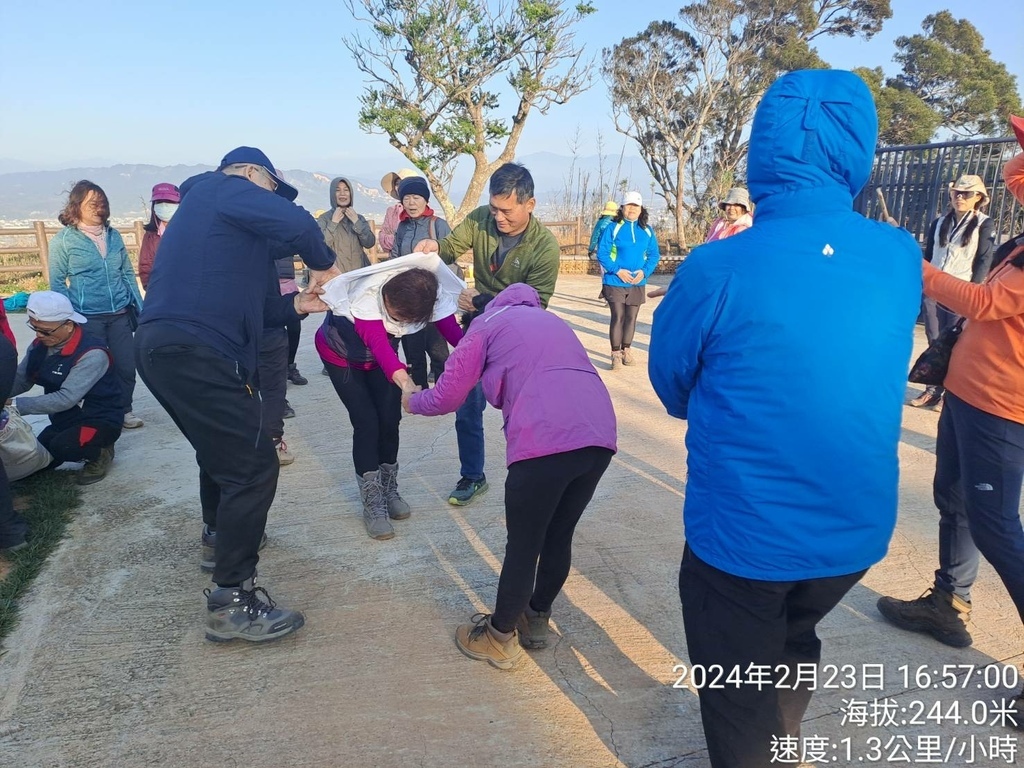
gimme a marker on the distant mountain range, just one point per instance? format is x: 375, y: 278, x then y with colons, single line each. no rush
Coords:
x: 39, y: 195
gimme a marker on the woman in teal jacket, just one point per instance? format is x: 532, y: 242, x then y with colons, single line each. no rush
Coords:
x: 628, y: 253
x: 89, y: 264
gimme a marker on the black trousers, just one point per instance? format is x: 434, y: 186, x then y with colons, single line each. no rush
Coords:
x: 418, y: 347
x: 79, y: 442
x: 219, y: 412
x: 116, y: 332
x: 374, y: 407
x: 13, y: 527
x: 735, y: 622
x: 294, y: 329
x: 273, y: 379
x: 544, y: 500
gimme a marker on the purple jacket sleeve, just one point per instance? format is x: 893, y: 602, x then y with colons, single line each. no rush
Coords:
x: 376, y: 338
x: 450, y: 329
x: 462, y: 371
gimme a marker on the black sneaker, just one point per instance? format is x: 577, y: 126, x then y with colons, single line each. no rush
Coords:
x: 466, y: 490
x: 295, y: 377
x: 246, y: 612
x: 289, y: 412
x: 937, y: 613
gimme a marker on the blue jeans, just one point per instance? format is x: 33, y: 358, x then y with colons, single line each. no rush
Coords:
x: 979, y: 467
x: 469, y: 431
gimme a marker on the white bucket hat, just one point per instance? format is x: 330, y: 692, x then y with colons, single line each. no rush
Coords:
x: 736, y: 196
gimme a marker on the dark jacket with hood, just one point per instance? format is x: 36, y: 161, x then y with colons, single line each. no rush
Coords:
x: 215, y: 263
x: 786, y: 482
x: 348, y: 240
x: 410, y: 231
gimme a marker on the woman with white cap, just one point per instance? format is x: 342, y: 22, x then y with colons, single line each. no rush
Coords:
x: 735, y: 215
x: 960, y: 243
x: 628, y: 253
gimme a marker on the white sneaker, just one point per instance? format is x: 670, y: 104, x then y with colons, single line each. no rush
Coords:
x: 283, y: 456
x: 131, y: 421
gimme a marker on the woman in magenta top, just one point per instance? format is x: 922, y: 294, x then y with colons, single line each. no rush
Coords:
x: 372, y: 308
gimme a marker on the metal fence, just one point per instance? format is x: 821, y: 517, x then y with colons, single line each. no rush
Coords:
x: 915, y: 181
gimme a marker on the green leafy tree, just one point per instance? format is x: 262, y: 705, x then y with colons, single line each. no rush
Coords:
x: 950, y: 70
x: 903, y: 116
x: 441, y: 71
x: 686, y: 91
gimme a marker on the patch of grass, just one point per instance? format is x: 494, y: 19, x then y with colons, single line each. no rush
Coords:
x: 52, y: 496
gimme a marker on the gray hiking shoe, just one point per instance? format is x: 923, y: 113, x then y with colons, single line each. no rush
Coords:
x: 375, y: 507
x: 246, y: 612
x: 937, y: 613
x: 208, y: 552
x: 397, y: 507
x: 533, y: 628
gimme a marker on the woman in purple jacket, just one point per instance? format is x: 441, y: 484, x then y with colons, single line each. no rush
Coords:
x: 560, y: 428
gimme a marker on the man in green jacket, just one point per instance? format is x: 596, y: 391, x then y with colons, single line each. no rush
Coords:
x: 509, y: 246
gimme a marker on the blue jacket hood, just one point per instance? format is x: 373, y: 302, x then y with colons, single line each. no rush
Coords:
x: 814, y: 130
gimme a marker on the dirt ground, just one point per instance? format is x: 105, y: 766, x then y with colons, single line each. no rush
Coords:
x: 108, y: 666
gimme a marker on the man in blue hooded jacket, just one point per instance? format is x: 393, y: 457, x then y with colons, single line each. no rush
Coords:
x: 790, y: 496
x: 197, y: 348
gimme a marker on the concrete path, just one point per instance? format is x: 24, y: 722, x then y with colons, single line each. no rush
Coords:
x: 109, y: 667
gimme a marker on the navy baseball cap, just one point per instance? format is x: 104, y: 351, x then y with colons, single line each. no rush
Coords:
x: 253, y: 156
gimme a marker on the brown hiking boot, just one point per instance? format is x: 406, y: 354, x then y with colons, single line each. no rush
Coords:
x: 627, y: 356
x: 94, y: 471
x: 938, y: 613
x: 477, y: 641
x: 533, y: 629
x: 616, y: 360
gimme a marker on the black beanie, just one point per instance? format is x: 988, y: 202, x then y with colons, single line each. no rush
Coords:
x: 414, y: 185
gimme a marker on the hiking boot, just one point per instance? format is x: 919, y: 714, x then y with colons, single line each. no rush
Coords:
x: 616, y: 360
x: 466, y: 490
x: 246, y: 612
x: 208, y: 553
x: 477, y: 640
x: 938, y: 613
x: 289, y: 412
x: 131, y: 421
x: 397, y: 508
x: 375, y: 507
x: 295, y: 377
x: 627, y: 356
x: 931, y: 396
x: 284, y: 458
x: 96, y: 470
x: 533, y: 629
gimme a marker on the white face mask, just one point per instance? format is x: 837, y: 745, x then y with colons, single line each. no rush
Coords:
x: 164, y: 211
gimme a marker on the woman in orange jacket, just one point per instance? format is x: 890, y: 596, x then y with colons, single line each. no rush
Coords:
x: 979, y: 450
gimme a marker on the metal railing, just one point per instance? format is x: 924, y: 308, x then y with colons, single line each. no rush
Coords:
x: 915, y: 181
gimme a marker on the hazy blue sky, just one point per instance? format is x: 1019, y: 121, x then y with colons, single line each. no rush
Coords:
x: 117, y: 81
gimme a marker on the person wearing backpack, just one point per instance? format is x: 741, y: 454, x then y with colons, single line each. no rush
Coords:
x: 416, y: 222
x: 628, y: 253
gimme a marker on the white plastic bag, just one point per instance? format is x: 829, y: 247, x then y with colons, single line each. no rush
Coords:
x: 20, y: 449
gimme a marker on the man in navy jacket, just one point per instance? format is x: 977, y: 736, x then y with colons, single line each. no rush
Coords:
x: 197, y: 348
x: 790, y: 495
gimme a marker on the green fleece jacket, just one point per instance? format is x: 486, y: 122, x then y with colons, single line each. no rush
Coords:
x: 533, y: 261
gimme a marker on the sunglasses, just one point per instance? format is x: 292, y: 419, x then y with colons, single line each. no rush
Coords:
x: 964, y: 194
x: 43, y: 331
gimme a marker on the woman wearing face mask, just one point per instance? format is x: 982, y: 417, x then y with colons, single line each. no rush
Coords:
x: 628, y: 253
x: 960, y: 243
x: 89, y: 264
x: 163, y: 203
